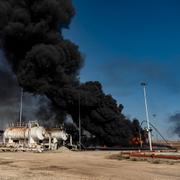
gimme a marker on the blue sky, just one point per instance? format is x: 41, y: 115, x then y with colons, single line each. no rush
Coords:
x: 125, y: 42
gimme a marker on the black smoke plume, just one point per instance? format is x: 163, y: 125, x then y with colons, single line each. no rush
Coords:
x: 7, y: 95
x: 175, y: 119
x: 47, y: 64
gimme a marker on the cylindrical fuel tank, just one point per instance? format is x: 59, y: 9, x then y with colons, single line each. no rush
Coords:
x: 16, y: 133
x: 57, y: 133
x: 38, y: 133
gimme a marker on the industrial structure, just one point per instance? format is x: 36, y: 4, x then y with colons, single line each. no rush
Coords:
x: 32, y: 136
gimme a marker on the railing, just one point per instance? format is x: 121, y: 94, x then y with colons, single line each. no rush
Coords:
x: 18, y: 124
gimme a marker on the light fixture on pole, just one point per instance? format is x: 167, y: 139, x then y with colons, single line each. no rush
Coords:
x: 147, y: 114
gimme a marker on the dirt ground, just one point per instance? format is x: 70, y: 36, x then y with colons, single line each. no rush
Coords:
x: 81, y: 166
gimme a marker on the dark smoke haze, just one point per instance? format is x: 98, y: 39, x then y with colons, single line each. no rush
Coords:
x: 10, y: 99
x: 7, y: 80
x: 47, y: 64
x: 8, y: 93
x: 127, y: 72
x: 175, y: 119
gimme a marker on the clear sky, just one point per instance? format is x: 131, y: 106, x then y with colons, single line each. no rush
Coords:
x: 128, y: 41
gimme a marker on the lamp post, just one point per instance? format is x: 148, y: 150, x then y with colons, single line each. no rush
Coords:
x: 143, y: 84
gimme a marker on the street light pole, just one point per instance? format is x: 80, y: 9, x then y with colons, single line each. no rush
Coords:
x: 147, y: 115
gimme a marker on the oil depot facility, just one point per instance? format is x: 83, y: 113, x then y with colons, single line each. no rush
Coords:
x: 32, y: 136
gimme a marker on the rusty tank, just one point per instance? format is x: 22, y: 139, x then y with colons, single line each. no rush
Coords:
x: 56, y: 133
x: 19, y: 133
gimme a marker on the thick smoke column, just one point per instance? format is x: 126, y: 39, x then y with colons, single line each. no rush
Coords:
x: 47, y: 64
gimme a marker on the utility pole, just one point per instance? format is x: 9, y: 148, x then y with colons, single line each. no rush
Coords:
x: 79, y: 103
x: 21, y: 107
x: 147, y: 115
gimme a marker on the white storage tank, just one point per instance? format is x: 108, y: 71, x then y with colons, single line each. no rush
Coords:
x: 33, y: 133
x: 16, y: 133
x: 56, y: 133
x: 38, y: 133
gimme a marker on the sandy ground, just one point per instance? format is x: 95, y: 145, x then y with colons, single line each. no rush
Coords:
x: 80, y: 166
